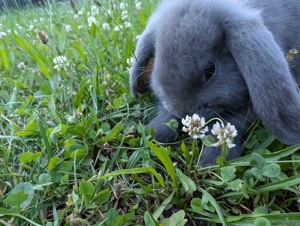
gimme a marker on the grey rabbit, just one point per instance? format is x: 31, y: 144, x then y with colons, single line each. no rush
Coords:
x: 223, y: 58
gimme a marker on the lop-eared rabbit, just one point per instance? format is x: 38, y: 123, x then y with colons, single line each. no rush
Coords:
x: 225, y: 58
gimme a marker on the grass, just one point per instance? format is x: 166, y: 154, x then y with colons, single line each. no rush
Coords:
x: 74, y: 149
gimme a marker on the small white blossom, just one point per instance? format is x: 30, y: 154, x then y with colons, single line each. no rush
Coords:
x: 76, y: 17
x: 130, y: 61
x: 68, y: 28
x: 2, y: 34
x: 117, y: 28
x: 105, y: 26
x: 137, y: 37
x: 80, y: 27
x: 124, y: 15
x: 21, y: 65
x: 92, y: 20
x: 127, y: 24
x: 122, y: 5
x: 194, y: 126
x: 225, y: 134
x: 94, y: 10
x: 80, y: 12
x: 30, y: 28
x: 60, y: 63
x: 138, y: 5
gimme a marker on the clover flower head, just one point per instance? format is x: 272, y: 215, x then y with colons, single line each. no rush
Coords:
x: 138, y: 5
x: 92, y: 20
x: 105, y: 26
x: 194, y: 126
x: 21, y: 65
x: 68, y: 28
x: 124, y: 15
x: 2, y: 34
x: 60, y: 63
x: 225, y: 134
x: 122, y: 5
x: 94, y: 10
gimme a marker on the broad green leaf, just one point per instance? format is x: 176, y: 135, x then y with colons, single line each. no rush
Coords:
x: 188, y: 184
x: 257, y: 173
x: 196, y: 205
x: 102, y: 197
x: 54, y: 161
x: 173, y: 124
x: 208, y: 140
x: 76, y: 130
x: 271, y: 170
x: 86, y: 189
x: 9, y: 212
x: 149, y: 220
x: 25, y: 188
x: 78, y: 154
x: 136, y: 171
x: 26, y: 157
x: 158, y: 212
x: 185, y: 152
x: 261, y: 210
x: 164, y: 157
x: 123, y: 219
x: 46, y: 88
x: 261, y: 221
x: 235, y: 185
x: 215, y: 204
x: 228, y: 173
x: 257, y: 161
x: 113, y: 133
x: 45, y: 179
x: 177, y: 219
x: 16, y: 199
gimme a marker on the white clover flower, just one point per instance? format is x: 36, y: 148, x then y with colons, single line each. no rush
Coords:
x: 138, y: 5
x: 68, y: 28
x: 105, y: 26
x: 80, y: 12
x: 21, y: 65
x: 76, y: 17
x: 94, y: 10
x: 122, y: 5
x: 80, y: 27
x: 117, y: 28
x: 92, y: 20
x: 137, y: 37
x: 194, y: 126
x: 20, y: 28
x: 130, y: 61
x: 60, y: 63
x: 225, y: 134
x: 30, y: 28
x: 124, y: 15
x: 127, y: 24
x: 35, y: 20
x: 2, y: 34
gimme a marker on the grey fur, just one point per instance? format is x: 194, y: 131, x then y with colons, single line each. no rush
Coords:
x: 247, y: 41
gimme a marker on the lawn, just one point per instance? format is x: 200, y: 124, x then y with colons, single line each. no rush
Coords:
x: 74, y: 148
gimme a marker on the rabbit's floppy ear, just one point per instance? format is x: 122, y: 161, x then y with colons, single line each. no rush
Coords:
x: 272, y: 89
x: 142, y: 66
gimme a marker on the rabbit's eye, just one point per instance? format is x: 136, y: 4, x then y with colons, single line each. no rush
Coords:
x: 209, y: 70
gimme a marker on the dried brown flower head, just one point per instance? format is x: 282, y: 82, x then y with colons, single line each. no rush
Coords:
x: 43, y: 37
x: 291, y: 54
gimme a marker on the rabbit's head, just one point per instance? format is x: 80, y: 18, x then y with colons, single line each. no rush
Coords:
x: 214, y: 58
